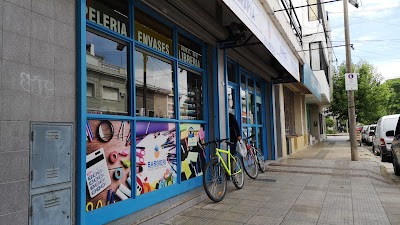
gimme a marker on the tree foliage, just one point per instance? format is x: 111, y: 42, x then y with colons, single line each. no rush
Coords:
x: 329, y: 122
x: 393, y: 87
x: 370, y: 99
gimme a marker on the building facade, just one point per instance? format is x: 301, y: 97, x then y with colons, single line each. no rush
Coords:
x: 105, y: 103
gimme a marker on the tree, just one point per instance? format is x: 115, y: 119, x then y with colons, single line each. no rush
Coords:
x: 329, y: 122
x: 370, y: 99
x: 393, y: 87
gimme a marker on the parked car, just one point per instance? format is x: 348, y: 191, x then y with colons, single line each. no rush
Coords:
x: 384, y: 133
x: 364, y: 134
x: 395, y: 150
x: 370, y: 134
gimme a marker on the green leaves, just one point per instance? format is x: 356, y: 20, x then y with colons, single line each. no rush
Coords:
x: 371, y: 98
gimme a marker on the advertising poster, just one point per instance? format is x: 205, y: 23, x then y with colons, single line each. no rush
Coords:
x: 192, y: 155
x: 108, y: 164
x: 155, y: 156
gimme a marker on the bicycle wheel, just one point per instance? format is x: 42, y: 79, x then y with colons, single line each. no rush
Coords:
x: 250, y: 165
x: 260, y: 160
x: 238, y: 175
x: 214, y: 180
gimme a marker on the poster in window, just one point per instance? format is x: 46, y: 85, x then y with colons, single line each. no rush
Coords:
x: 155, y: 156
x: 192, y: 155
x: 108, y: 165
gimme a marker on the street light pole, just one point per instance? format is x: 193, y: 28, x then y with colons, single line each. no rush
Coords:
x: 350, y: 94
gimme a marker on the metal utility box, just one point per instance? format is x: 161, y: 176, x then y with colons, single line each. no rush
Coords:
x: 51, y: 173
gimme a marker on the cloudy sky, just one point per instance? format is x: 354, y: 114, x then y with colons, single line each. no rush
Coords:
x: 374, y: 32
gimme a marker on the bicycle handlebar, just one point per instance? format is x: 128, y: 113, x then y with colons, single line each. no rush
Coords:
x: 226, y: 140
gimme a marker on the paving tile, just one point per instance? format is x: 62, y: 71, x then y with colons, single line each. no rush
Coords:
x: 370, y: 222
x: 272, y: 212
x: 218, y: 206
x: 234, y: 217
x: 296, y: 222
x: 392, y: 210
x: 263, y: 220
x: 242, y: 209
x: 393, y: 218
x: 337, y: 203
x: 224, y: 222
x: 302, y: 216
x: 370, y: 216
x: 309, y: 203
x: 335, y: 216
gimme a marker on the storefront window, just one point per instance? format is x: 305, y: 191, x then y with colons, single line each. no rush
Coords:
x: 243, y: 102
x: 152, y: 33
x: 190, y: 95
x: 259, y: 109
x: 192, y: 156
x: 258, y: 88
x: 232, y: 100
x: 156, y: 160
x: 231, y: 73
x: 107, y: 75
x: 260, y: 138
x: 154, y: 86
x: 251, y: 107
x: 250, y: 85
x: 189, y: 52
x: 243, y: 81
x: 113, y: 15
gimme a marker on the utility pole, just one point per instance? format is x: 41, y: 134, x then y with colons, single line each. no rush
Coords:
x: 350, y: 94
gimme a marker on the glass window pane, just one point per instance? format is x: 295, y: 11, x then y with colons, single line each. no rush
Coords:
x: 232, y: 100
x: 190, y: 95
x: 154, y: 86
x: 251, y: 108
x: 110, y: 14
x: 259, y: 109
x: 152, y: 33
x: 243, y: 81
x: 106, y: 62
x: 231, y: 73
x: 250, y: 85
x: 192, y: 156
x: 260, y: 139
x: 189, y: 51
x: 258, y: 87
x: 243, y: 102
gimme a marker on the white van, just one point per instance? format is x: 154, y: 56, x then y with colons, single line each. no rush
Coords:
x: 382, y: 142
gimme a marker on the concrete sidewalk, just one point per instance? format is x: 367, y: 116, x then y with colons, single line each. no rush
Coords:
x: 319, y: 185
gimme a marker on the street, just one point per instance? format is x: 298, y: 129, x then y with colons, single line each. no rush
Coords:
x: 318, y: 185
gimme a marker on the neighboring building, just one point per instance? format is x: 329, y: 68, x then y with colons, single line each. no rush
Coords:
x: 103, y: 102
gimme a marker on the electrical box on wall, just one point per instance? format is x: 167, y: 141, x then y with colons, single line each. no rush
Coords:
x: 50, y: 173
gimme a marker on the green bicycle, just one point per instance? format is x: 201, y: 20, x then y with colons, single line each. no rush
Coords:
x: 216, y: 170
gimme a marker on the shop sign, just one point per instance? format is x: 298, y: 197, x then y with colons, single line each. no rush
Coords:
x: 311, y: 82
x: 106, y: 21
x: 189, y: 56
x: 253, y: 15
x: 152, y: 39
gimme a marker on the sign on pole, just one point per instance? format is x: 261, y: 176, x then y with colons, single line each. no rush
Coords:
x: 351, y: 81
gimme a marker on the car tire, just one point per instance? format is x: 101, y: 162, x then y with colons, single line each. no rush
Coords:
x: 384, y: 158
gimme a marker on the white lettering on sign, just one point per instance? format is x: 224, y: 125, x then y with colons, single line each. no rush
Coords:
x: 189, y: 56
x: 106, y: 21
x: 153, y: 42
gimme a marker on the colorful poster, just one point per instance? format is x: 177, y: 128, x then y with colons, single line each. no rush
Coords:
x: 155, y: 156
x: 192, y: 155
x: 107, y: 162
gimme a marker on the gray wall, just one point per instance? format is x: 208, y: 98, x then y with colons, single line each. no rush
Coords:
x: 37, y: 77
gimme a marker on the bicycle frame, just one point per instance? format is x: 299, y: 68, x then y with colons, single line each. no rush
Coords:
x: 227, y: 168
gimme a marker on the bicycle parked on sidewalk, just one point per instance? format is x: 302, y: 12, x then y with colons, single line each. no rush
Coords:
x: 217, y: 169
x: 254, y: 160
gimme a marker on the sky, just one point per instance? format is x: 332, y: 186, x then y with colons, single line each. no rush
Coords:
x: 374, y: 33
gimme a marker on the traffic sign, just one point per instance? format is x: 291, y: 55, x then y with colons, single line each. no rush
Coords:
x: 351, y: 81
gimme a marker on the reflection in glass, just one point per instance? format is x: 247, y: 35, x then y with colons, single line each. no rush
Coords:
x: 243, y: 100
x: 243, y: 81
x: 107, y: 80
x: 154, y: 86
x: 189, y: 51
x: 251, y: 105
x: 250, y: 85
x: 258, y: 109
x: 260, y: 139
x: 231, y: 73
x: 231, y: 100
x: 190, y: 95
x: 258, y: 87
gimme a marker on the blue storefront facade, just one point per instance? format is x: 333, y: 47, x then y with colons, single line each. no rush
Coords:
x: 151, y: 89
